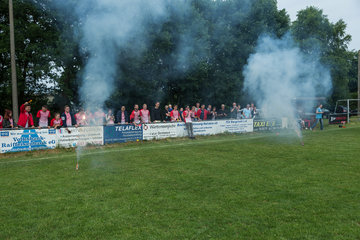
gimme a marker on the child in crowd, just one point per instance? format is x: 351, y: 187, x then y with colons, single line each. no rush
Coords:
x: 56, y: 122
x: 43, y: 116
x: 25, y: 118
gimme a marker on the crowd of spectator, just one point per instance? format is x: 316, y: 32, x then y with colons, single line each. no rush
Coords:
x: 156, y: 114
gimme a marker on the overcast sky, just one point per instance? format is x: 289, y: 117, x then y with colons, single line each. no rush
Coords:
x: 348, y: 10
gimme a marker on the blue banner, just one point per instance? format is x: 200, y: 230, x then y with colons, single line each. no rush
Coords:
x: 122, y: 133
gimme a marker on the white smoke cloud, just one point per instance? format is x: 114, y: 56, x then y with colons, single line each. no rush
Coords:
x: 278, y: 72
x: 108, y: 27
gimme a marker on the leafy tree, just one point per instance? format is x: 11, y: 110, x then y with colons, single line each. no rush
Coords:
x: 317, y: 35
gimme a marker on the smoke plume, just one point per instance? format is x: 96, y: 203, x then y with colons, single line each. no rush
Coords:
x: 278, y: 72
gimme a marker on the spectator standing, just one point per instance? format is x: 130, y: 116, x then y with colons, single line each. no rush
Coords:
x: 193, y: 113
x: 319, y: 114
x: 156, y: 115
x: 170, y: 108
x: 110, y: 118
x: 56, y: 122
x: 122, y: 117
x: 181, y: 114
x: 81, y: 118
x: 197, y: 107
x: 252, y: 106
x: 188, y: 122
x: 254, y: 112
x: 213, y: 114
x: 8, y: 121
x: 247, y: 111
x: 25, y: 119
x: 175, y: 115
x: 209, y: 115
x: 145, y: 114
x: 99, y: 117
x: 135, y: 115
x: 233, y: 111
x: 167, y: 117
x: 202, y: 113
x: 239, y: 112
x: 43, y: 116
x: 222, y: 114
x: 1, y: 121
x: 68, y: 118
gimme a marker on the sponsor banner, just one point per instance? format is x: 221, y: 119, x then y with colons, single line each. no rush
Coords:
x: 267, y: 124
x: 122, y: 133
x: 337, y: 118
x: 159, y: 131
x: 27, y: 140
x: 80, y: 136
x: 237, y: 126
x: 199, y: 128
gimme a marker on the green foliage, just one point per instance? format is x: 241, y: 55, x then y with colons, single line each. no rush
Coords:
x: 317, y: 35
x: 197, y: 56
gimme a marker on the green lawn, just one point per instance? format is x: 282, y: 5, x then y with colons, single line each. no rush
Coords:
x: 254, y: 186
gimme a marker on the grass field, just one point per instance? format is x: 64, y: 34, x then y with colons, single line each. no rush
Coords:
x: 254, y: 186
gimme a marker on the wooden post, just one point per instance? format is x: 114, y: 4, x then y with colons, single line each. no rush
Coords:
x: 13, y: 64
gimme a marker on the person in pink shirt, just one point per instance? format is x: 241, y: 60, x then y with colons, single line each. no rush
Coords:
x: 188, y: 122
x: 175, y: 115
x: 122, y: 116
x: 135, y: 115
x: 43, y: 116
x: 110, y: 118
x: 56, y: 122
x: 81, y: 118
x: 145, y: 114
x: 99, y: 117
x: 68, y: 118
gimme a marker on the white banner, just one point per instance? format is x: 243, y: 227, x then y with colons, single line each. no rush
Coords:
x: 27, y: 140
x: 80, y: 136
x: 159, y: 131
x: 237, y: 126
x: 200, y: 128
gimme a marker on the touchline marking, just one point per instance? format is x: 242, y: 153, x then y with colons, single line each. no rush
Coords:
x: 190, y: 142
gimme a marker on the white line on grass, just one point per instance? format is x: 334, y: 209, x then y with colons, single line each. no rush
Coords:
x: 190, y: 142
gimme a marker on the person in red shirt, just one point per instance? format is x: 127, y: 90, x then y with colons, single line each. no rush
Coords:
x: 145, y: 114
x: 175, y: 115
x: 56, y: 122
x: 202, y: 113
x: 135, y: 115
x: 43, y: 116
x: 25, y: 118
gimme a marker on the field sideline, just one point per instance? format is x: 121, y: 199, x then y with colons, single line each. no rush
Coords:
x: 253, y: 186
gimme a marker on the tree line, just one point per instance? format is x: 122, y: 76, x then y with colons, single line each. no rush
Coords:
x: 223, y: 34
